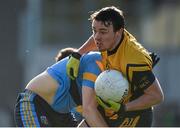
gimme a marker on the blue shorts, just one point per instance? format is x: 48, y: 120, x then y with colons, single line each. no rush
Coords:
x: 32, y: 111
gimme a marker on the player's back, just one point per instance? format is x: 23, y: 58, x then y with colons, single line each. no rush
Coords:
x: 53, y: 85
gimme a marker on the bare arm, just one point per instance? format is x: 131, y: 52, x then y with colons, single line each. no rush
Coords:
x: 152, y: 96
x: 90, y: 111
x: 89, y: 45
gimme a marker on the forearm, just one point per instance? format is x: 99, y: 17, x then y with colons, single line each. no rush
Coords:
x: 94, y: 118
x: 89, y: 45
x: 152, y: 96
x: 90, y: 111
x: 143, y: 102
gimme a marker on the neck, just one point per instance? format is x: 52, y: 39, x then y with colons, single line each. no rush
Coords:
x: 116, y: 43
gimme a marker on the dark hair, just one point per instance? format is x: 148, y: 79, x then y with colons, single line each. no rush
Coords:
x: 64, y: 53
x: 109, y: 15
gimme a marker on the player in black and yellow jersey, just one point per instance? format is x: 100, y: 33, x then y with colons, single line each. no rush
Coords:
x: 121, y: 51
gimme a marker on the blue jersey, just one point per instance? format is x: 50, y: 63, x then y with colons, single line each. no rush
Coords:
x: 89, y: 69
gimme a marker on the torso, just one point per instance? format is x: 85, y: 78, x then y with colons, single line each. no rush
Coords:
x: 129, y: 57
x: 43, y: 85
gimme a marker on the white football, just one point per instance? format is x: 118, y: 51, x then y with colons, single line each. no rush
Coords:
x: 111, y: 85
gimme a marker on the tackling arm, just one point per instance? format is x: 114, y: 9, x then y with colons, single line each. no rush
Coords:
x: 90, y: 111
x: 89, y: 45
x: 73, y: 63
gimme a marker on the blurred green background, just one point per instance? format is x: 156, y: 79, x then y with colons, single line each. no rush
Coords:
x: 32, y: 32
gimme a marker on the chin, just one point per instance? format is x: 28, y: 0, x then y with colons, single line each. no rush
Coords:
x: 101, y: 50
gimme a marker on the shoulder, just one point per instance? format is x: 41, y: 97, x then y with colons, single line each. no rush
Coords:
x: 134, y: 52
x: 91, y: 56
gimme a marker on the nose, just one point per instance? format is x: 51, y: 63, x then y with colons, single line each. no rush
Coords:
x: 97, y: 36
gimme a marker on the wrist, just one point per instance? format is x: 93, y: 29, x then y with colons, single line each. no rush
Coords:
x: 80, y: 52
x: 122, y: 109
x: 125, y: 108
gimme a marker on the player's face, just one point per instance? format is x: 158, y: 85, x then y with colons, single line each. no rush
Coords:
x: 104, y: 36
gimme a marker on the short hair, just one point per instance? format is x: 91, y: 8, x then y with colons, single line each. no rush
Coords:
x: 64, y: 53
x: 109, y: 15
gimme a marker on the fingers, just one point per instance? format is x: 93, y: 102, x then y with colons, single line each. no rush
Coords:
x: 100, y: 102
x: 71, y: 74
x: 109, y: 104
x: 72, y: 66
x: 155, y: 58
x: 114, y: 105
x: 75, y: 73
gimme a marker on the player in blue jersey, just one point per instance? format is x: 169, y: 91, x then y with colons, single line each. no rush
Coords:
x: 47, y: 99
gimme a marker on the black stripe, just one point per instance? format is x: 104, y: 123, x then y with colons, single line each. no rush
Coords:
x: 75, y: 92
x: 127, y: 72
x: 133, y: 65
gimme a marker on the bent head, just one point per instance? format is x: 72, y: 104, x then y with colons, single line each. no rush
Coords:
x: 64, y: 53
x: 107, y: 27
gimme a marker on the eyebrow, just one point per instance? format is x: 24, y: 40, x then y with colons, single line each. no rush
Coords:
x: 101, y: 29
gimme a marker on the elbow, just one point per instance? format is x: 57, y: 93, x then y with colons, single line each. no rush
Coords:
x: 159, y: 98
x: 157, y: 92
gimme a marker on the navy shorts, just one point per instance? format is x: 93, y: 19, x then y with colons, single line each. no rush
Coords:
x: 32, y: 111
x: 141, y: 118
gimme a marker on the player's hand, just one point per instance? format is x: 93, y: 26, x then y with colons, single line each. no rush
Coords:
x: 154, y: 58
x: 72, y: 66
x: 109, y: 104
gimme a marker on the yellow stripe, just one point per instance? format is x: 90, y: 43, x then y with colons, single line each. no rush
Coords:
x: 114, y: 117
x: 138, y: 68
x: 31, y: 115
x: 135, y: 121
x: 23, y: 112
x: 79, y: 109
x: 109, y: 112
x: 125, y: 123
x: 27, y: 112
x: 89, y: 76
x: 100, y: 65
x: 28, y: 115
x: 130, y: 122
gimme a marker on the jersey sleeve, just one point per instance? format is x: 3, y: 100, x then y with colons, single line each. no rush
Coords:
x: 90, y: 72
x: 139, y: 69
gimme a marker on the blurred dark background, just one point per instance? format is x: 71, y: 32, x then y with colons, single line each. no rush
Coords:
x: 32, y: 32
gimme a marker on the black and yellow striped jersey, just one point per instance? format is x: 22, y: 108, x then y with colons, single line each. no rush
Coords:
x: 133, y: 60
